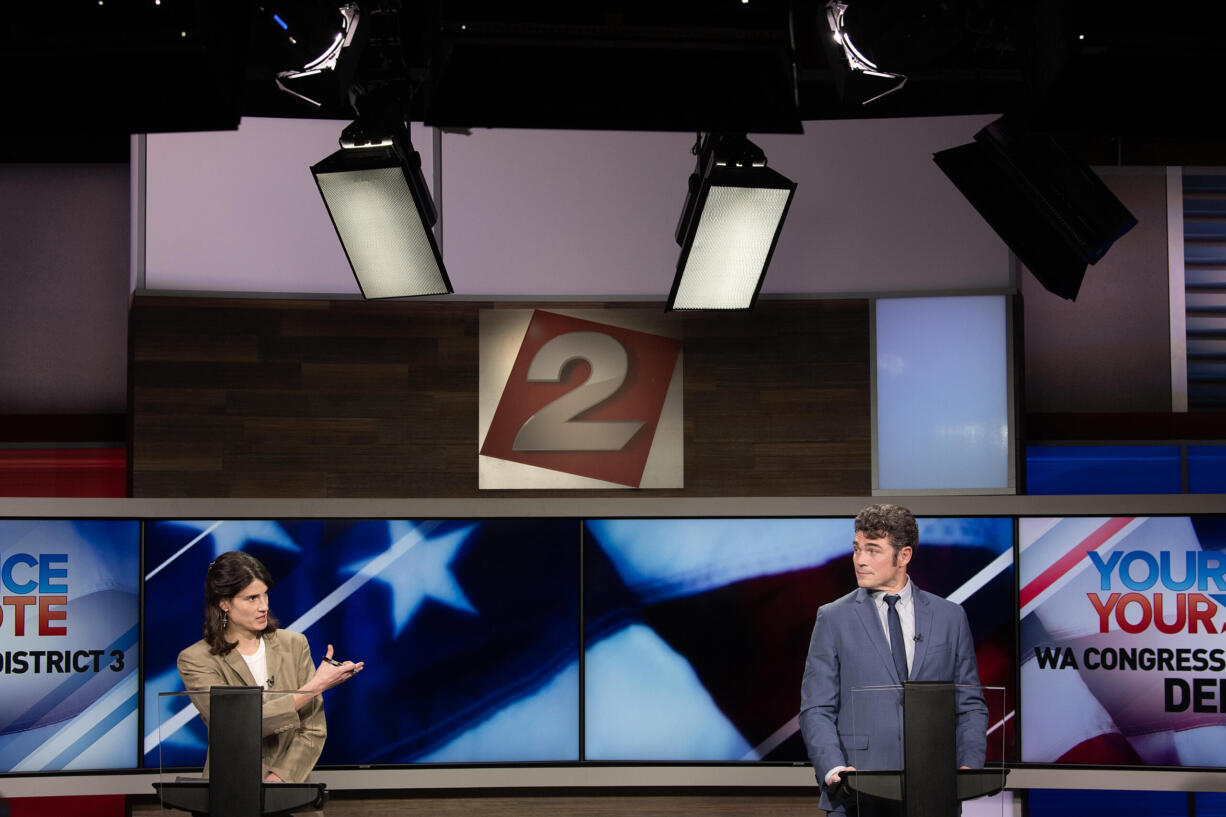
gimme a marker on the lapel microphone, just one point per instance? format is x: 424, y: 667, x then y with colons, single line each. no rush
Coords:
x: 269, y: 682
x: 918, y: 637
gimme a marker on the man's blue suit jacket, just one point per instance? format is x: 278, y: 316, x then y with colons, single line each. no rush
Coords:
x: 849, y: 651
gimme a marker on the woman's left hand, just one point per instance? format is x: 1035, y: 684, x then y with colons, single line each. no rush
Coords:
x: 331, y: 672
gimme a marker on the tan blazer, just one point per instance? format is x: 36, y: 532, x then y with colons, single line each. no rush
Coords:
x: 293, y: 738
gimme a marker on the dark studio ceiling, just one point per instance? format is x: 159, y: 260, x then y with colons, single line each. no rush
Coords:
x: 1117, y: 82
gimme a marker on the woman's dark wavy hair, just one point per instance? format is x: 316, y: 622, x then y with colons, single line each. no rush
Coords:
x: 893, y: 521
x: 228, y: 575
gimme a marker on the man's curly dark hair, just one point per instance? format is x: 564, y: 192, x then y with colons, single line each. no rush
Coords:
x: 892, y: 521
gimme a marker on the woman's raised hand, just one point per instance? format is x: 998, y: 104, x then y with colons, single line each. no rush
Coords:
x: 331, y: 672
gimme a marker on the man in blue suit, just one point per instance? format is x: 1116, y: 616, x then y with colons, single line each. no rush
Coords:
x: 883, y: 633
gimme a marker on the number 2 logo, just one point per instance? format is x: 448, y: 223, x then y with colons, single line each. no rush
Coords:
x: 583, y: 398
x: 554, y: 427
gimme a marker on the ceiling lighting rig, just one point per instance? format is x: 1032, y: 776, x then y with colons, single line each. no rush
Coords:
x: 856, y: 61
x: 322, y: 47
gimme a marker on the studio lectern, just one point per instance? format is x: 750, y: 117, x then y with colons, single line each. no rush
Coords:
x: 234, y: 787
x: 929, y: 784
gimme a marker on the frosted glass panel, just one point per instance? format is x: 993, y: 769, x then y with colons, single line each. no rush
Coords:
x: 942, y: 394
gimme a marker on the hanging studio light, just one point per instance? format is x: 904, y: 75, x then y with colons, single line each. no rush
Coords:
x: 382, y: 211
x: 730, y: 224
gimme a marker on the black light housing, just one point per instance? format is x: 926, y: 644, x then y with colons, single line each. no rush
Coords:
x: 733, y: 214
x: 1051, y: 210
x: 382, y: 211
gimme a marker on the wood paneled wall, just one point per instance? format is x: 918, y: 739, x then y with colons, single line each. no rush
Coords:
x: 314, y: 398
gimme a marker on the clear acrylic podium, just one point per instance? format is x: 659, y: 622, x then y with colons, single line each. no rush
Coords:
x: 919, y: 775
x: 234, y: 787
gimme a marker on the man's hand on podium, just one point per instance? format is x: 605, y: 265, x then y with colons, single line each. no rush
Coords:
x: 836, y: 786
x: 834, y: 777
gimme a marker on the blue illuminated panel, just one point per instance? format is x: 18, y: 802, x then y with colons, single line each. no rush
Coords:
x: 942, y: 394
x: 1104, y: 469
x: 1207, y: 469
x: 1210, y: 804
x: 1107, y: 803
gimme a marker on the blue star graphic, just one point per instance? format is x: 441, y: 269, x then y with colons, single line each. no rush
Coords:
x: 417, y: 568
x: 233, y: 535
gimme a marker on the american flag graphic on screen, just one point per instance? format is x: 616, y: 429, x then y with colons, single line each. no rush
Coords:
x: 469, y: 631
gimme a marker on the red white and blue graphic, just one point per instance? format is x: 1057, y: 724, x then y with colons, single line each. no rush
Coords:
x: 696, y: 630
x: 588, y: 399
x: 1122, y: 626
x: 69, y: 611
x: 469, y: 630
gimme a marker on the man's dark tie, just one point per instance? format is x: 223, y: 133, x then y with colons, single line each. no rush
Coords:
x: 897, y: 647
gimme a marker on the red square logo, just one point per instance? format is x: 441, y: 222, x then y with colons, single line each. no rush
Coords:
x: 583, y: 398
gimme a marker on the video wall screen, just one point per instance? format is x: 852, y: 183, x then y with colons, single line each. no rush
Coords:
x: 469, y: 630
x: 696, y: 630
x: 69, y: 626
x: 1122, y: 651
x: 694, y: 633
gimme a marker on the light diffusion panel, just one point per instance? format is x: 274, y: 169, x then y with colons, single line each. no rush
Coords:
x: 941, y: 403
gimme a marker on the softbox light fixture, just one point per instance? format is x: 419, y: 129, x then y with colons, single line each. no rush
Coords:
x: 382, y: 211
x: 733, y: 214
x: 1051, y: 210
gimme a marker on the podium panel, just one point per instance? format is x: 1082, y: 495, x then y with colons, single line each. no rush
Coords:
x: 233, y: 784
x: 918, y: 748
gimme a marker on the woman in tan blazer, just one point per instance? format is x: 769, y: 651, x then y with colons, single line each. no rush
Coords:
x: 243, y: 647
